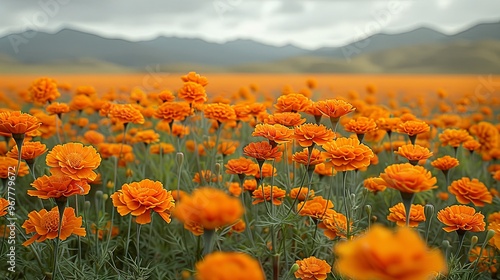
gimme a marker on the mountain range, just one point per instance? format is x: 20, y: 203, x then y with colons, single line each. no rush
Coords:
x: 423, y: 50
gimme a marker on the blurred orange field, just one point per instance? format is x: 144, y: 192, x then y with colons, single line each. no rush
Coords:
x: 330, y: 85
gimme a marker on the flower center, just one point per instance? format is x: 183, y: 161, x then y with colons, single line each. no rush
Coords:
x: 50, y: 221
x: 74, y: 159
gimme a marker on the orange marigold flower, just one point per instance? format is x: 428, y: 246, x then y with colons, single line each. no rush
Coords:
x: 141, y: 198
x: 45, y: 225
x: 57, y: 108
x: 288, y: 119
x: 29, y: 151
x: 378, y: 255
x: 303, y: 158
x: 227, y: 148
x: 74, y: 160
x: 4, y: 204
x: 347, y: 154
x: 262, y: 151
x: 360, y: 125
x: 210, y: 208
x: 166, y: 96
x: 194, y: 77
x: 454, y: 137
x: 487, y: 261
x: 293, y: 102
x: 414, y: 153
x: 80, y: 103
x: 274, y: 133
x: 44, y: 90
x: 267, y: 171
x: 495, y: 241
x: 165, y: 148
x: 250, y: 185
x: 6, y: 164
x: 146, y: 136
x: 335, y: 224
x: 239, y: 226
x: 445, y: 163
x: 471, y: 145
x: 325, y: 169
x: 467, y: 190
x: 241, y: 166
x: 309, y: 134
x: 220, y: 112
x: 93, y: 137
x: 407, y: 178
x: 398, y: 214
x: 192, y: 92
x: 413, y: 128
x: 234, y: 188
x: 487, y: 135
x: 301, y: 193
x: 312, y: 269
x: 461, y: 218
x: 58, y: 186
x: 334, y: 108
x: 242, y: 111
x: 314, y: 208
x: 228, y: 265
x: 263, y: 193
x: 388, y: 124
x: 375, y: 184
x: 18, y: 123
x: 173, y: 111
x: 125, y: 113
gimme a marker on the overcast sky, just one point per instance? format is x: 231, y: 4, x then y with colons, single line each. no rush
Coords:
x: 305, y: 23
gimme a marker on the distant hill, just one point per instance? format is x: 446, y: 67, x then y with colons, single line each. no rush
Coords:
x: 423, y: 50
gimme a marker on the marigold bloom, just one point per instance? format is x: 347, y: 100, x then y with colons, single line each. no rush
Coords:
x: 379, y: 255
x: 414, y: 153
x: 58, y: 186
x: 166, y: 148
x: 166, y: 96
x: 80, y: 103
x: 262, y: 151
x: 57, y: 108
x: 467, y: 190
x: 173, y: 111
x: 413, y: 128
x: 398, y: 214
x: 471, y: 145
x: 325, y: 169
x: 4, y: 204
x: 192, y: 92
x: 227, y: 147
x: 17, y: 122
x: 207, y: 176
x: 267, y: 170
x: 288, y: 119
x: 293, y: 102
x: 6, y: 164
x: 487, y: 260
x: 487, y: 135
x: 495, y: 241
x: 210, y: 208
x: 407, y: 178
x: 43, y: 90
x: 146, y: 136
x: 45, y: 225
x: 93, y: 137
x: 375, y: 184
x: 301, y: 193
x: 228, y: 265
x: 196, y: 78
x: 334, y: 108
x: 335, y: 225
x: 347, y: 154
x: 445, y: 163
x: 260, y: 195
x: 250, y: 185
x: 125, y: 113
x: 74, y: 160
x: 360, y: 125
x: 309, y: 134
x: 141, y: 198
x: 454, y: 137
x: 274, y: 133
x: 388, y: 124
x: 312, y: 269
x: 234, y: 188
x: 314, y: 208
x: 29, y: 151
x: 461, y: 217
x: 220, y: 112
x: 241, y: 166
x: 302, y: 157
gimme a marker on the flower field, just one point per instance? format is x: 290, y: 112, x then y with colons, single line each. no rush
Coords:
x: 212, y: 177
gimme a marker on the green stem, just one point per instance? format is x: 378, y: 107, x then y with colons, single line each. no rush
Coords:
x: 208, y: 239
x: 61, y: 205
x: 407, y: 201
